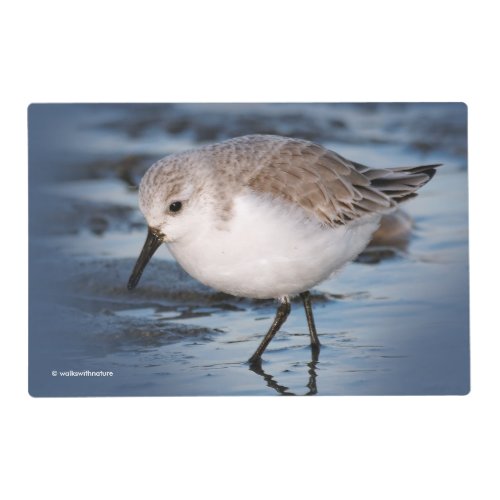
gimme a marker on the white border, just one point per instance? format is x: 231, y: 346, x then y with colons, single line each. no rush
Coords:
x: 355, y: 447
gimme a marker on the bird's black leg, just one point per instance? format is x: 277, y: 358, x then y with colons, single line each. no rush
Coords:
x: 306, y: 298
x: 281, y: 314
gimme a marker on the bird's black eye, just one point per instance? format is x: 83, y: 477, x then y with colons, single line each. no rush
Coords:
x: 175, y: 206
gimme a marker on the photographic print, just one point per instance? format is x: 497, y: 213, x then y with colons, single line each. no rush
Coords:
x: 248, y: 249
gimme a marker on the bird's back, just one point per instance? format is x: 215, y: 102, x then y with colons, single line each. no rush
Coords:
x: 327, y: 186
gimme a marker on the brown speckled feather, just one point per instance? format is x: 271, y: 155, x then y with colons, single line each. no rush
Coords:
x: 326, y: 185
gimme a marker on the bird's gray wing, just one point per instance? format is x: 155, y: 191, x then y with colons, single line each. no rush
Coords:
x: 328, y: 187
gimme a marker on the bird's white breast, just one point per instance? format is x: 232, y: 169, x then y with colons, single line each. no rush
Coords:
x: 269, y: 248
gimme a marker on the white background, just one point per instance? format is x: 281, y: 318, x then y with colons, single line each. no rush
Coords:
x: 324, y: 447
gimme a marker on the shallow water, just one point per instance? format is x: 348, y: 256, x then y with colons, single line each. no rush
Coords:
x: 394, y: 322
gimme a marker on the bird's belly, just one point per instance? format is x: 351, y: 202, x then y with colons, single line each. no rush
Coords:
x: 269, y: 251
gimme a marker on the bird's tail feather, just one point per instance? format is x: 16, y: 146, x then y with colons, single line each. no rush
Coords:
x: 402, y: 183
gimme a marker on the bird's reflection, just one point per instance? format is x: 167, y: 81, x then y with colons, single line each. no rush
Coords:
x: 256, y: 367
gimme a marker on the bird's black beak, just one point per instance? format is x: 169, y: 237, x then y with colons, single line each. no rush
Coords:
x: 152, y: 243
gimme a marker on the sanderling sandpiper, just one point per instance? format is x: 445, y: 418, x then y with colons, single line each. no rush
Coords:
x: 264, y: 216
